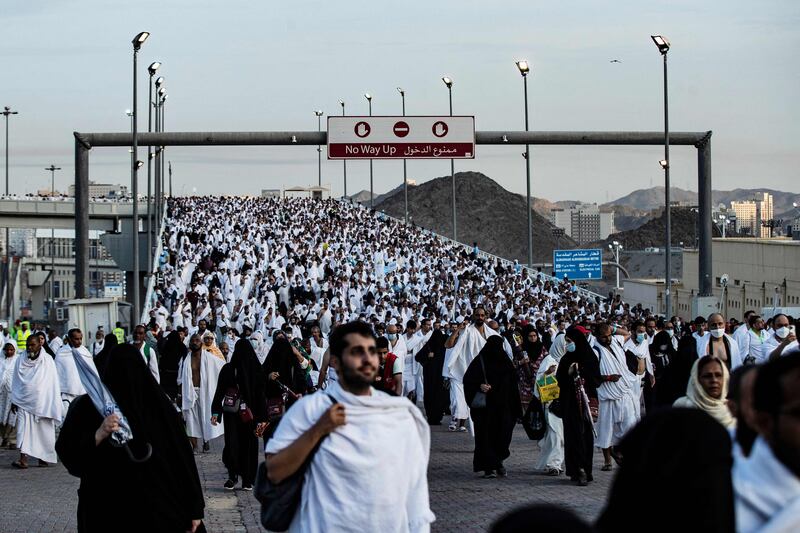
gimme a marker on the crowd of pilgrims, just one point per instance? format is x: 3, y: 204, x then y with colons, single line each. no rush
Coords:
x: 250, y: 289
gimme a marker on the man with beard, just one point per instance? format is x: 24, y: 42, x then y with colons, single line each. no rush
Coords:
x: 767, y: 483
x: 373, y: 449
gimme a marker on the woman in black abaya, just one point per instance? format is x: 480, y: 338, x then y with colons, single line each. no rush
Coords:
x: 245, y: 375
x: 169, y: 360
x: 494, y: 424
x: 162, y: 493
x: 579, y: 361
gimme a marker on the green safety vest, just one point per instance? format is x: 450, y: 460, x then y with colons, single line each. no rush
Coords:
x: 119, y: 333
x: 22, y: 339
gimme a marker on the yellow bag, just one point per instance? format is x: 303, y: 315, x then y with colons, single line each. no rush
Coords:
x: 548, y: 389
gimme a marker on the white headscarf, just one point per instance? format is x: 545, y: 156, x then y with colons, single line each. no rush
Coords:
x: 696, y: 397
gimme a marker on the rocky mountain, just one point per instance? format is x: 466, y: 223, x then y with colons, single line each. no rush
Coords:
x: 651, y: 233
x: 487, y: 214
x: 653, y: 198
x: 363, y: 196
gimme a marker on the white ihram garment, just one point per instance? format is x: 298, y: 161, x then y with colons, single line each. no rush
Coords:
x: 619, y: 406
x: 384, y: 435
x: 37, y: 395
x: 196, y: 401
x: 551, y: 447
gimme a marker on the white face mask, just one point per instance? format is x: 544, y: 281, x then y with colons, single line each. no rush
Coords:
x: 782, y: 332
x: 717, y: 333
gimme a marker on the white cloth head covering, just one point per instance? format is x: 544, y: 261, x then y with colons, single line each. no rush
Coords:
x: 697, y: 397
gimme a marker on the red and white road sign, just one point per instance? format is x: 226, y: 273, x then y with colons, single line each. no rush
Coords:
x: 417, y: 137
x: 401, y: 129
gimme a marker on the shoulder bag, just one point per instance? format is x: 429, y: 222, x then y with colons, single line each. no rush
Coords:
x: 279, y: 501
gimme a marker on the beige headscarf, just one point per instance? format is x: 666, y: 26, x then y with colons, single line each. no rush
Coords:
x: 696, y: 397
x: 213, y: 349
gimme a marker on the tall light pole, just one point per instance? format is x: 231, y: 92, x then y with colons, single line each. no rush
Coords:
x: 318, y: 112
x: 615, y: 247
x: 137, y: 44
x: 52, y: 168
x: 405, y: 174
x: 152, y: 69
x: 7, y: 270
x: 344, y: 163
x: 161, y: 158
x: 449, y: 83
x: 371, y: 193
x: 524, y: 68
x: 663, y: 47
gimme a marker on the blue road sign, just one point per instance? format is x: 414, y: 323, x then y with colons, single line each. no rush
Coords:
x: 578, y: 264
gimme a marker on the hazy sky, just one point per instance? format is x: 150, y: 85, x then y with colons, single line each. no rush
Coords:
x: 266, y: 66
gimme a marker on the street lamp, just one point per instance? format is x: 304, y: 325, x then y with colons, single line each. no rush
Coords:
x: 449, y: 84
x: 615, y: 247
x: 371, y: 194
x: 52, y: 168
x: 152, y: 69
x: 344, y: 162
x: 137, y: 42
x: 7, y: 112
x: 405, y: 174
x: 524, y: 69
x: 319, y: 147
x: 663, y: 47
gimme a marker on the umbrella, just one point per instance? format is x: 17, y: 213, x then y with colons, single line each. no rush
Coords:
x: 105, y: 404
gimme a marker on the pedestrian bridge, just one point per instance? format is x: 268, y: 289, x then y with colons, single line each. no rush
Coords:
x: 104, y: 215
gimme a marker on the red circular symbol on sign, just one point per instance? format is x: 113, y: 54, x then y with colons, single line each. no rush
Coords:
x: 362, y: 129
x: 439, y: 129
x: 401, y: 129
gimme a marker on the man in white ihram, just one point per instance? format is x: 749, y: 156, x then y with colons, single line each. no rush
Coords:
x: 68, y: 378
x: 36, y: 398
x: 370, y: 471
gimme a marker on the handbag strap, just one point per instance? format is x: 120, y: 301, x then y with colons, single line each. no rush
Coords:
x: 485, y: 379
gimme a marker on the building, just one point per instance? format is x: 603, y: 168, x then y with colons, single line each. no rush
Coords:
x: 23, y: 241
x: 270, y: 193
x: 760, y: 274
x: 102, y: 190
x: 751, y: 213
x: 584, y: 222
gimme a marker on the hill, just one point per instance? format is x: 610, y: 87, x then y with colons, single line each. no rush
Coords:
x: 652, y: 198
x: 651, y: 233
x: 487, y: 214
x: 363, y: 196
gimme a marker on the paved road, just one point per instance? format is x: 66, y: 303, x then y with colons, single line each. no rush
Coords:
x: 45, y: 499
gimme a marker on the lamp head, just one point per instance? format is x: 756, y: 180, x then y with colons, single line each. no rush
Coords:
x: 401, y: 91
x: 661, y: 42
x: 341, y: 103
x: 129, y: 112
x: 153, y: 67
x: 664, y: 164
x: 162, y: 91
x: 139, y: 164
x: 368, y: 96
x: 159, y: 81
x: 140, y: 38
x: 523, y: 67
x: 447, y: 81
x: 318, y: 112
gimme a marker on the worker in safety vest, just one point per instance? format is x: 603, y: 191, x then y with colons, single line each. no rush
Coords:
x: 119, y: 333
x: 22, y: 336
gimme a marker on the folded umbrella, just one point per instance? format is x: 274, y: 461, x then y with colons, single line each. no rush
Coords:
x: 105, y: 404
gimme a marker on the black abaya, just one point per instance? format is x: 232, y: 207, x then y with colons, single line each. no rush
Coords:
x: 578, y: 430
x: 494, y: 424
x: 240, y: 454
x: 168, y: 362
x: 160, y: 494
x: 432, y: 380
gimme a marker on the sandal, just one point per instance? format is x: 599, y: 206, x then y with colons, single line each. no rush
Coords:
x: 43, y: 464
x: 606, y: 467
x: 21, y: 466
x: 553, y: 472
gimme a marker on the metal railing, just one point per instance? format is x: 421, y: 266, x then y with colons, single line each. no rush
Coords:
x: 147, y: 305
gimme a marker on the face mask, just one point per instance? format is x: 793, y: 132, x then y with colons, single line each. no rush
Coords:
x: 640, y: 337
x: 717, y: 333
x: 392, y: 336
x: 670, y: 332
x: 570, y: 347
x: 782, y: 332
